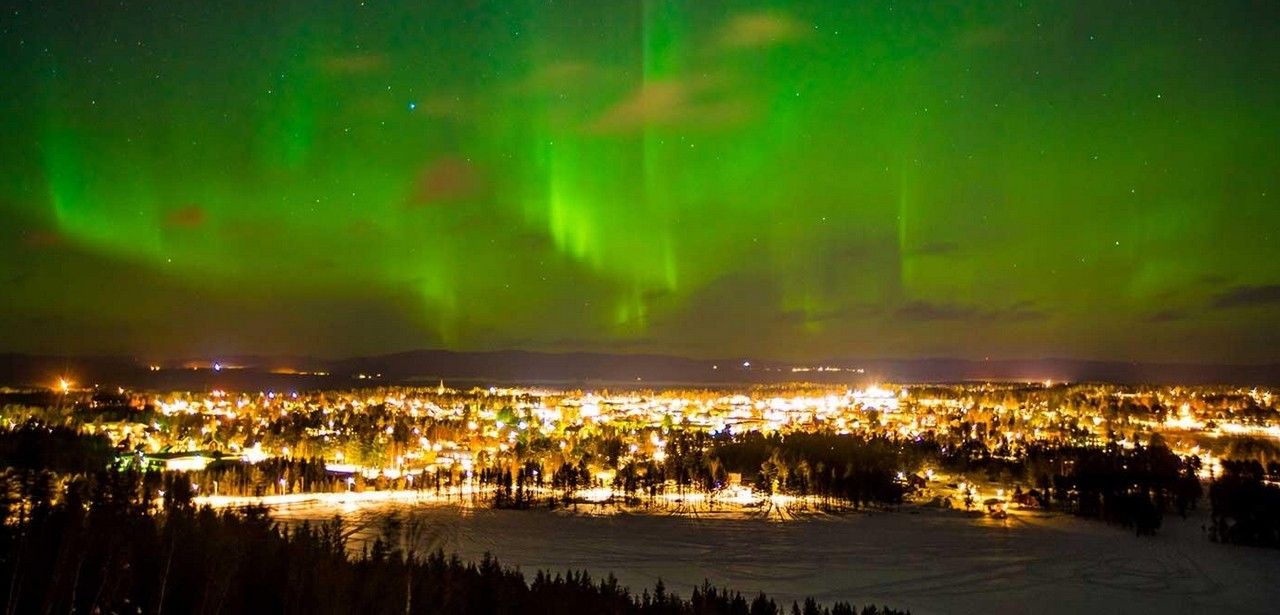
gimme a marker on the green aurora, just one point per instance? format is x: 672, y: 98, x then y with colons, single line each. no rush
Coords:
x: 795, y: 180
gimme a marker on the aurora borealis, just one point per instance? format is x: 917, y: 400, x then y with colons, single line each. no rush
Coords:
x: 786, y: 179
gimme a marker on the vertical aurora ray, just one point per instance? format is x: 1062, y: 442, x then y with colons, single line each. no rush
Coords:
x: 905, y: 257
x: 664, y: 40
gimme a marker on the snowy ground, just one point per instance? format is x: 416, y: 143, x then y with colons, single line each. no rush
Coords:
x: 924, y: 560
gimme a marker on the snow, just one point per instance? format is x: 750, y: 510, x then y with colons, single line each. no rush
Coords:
x: 924, y: 560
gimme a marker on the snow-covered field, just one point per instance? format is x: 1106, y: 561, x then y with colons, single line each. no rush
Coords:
x: 927, y: 561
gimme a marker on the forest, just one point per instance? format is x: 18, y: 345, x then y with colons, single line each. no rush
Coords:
x: 1246, y: 504
x: 86, y: 538
x: 1133, y: 486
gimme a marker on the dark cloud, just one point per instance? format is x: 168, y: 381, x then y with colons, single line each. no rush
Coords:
x: 1248, y: 296
x: 762, y: 29
x: 558, y: 76
x: 849, y: 312
x: 186, y: 217
x: 1166, y: 315
x: 446, y: 179
x: 581, y: 344
x: 365, y: 228
x: 1022, y: 311
x: 444, y: 107
x: 926, y: 311
x: 717, y: 312
x: 39, y: 239
x: 865, y: 251
x: 704, y: 102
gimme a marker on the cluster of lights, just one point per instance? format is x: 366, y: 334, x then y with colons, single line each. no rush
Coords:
x: 458, y: 432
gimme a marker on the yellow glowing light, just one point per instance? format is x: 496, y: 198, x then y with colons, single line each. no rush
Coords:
x: 254, y: 454
x: 186, y: 464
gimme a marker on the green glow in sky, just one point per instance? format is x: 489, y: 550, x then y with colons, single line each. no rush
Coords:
x: 785, y: 179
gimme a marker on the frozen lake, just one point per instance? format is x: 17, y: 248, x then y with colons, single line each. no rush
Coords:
x: 927, y: 561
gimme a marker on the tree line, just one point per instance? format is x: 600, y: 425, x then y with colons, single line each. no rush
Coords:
x: 1133, y: 486
x: 1246, y: 504
x: 102, y: 546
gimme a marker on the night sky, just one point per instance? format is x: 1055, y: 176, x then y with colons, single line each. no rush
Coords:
x: 795, y: 180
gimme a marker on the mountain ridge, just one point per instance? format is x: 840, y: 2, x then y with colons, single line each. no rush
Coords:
x: 417, y: 366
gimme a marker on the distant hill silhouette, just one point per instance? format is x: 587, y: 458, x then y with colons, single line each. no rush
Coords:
x: 585, y: 369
